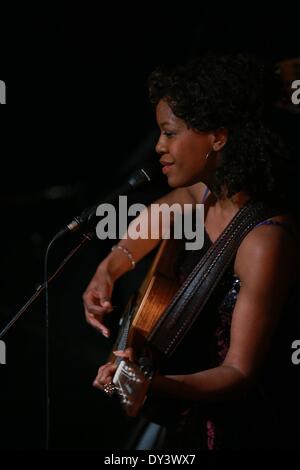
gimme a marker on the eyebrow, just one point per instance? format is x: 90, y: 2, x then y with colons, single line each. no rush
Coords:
x: 165, y: 123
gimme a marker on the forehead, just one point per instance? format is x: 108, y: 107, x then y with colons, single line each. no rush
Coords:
x: 165, y: 115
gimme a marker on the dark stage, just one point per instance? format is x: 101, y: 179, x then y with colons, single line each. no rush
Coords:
x: 79, y: 124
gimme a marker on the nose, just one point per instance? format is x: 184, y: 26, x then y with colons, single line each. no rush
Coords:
x: 160, y: 148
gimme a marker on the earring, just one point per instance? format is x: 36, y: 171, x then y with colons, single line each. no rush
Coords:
x: 208, y: 154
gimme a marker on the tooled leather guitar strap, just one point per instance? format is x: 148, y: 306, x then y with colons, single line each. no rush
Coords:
x: 192, y: 296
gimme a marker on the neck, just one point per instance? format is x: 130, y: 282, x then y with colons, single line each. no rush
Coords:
x: 228, y: 206
x: 238, y: 200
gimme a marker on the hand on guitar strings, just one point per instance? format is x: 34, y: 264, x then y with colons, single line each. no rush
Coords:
x: 106, y: 372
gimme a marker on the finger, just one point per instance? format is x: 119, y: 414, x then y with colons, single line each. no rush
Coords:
x: 105, y: 375
x: 106, y: 303
x: 120, y: 353
x: 97, y: 304
x: 97, y: 318
x: 91, y: 296
x: 108, y: 370
x: 103, y: 293
x: 100, y: 384
x: 107, y: 378
x: 97, y: 384
x: 128, y: 353
x: 105, y: 366
x: 95, y: 322
x: 101, y: 368
x: 97, y: 310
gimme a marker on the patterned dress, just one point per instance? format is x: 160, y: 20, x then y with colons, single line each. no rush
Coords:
x: 264, y: 417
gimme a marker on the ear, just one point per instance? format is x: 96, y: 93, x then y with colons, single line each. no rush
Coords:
x: 219, y: 138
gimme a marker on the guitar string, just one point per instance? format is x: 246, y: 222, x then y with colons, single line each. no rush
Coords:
x: 120, y: 388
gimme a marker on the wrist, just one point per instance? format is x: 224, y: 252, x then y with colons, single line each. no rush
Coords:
x: 115, y: 264
x: 126, y: 253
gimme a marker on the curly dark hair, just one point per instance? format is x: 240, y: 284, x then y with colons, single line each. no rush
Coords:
x: 217, y: 91
x: 236, y: 92
x: 255, y: 159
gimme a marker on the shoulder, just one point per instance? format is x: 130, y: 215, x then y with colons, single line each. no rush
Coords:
x: 197, y: 191
x: 268, y: 252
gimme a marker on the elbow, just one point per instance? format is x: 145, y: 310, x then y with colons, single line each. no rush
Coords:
x: 241, y: 380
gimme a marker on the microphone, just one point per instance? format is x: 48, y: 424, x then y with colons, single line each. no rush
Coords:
x: 138, y: 178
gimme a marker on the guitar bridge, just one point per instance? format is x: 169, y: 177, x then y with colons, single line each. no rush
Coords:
x: 132, y: 385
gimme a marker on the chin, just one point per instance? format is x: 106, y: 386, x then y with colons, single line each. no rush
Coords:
x: 179, y: 182
x: 174, y: 183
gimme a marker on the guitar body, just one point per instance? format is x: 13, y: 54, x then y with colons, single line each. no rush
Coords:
x: 157, y: 290
x: 141, y: 315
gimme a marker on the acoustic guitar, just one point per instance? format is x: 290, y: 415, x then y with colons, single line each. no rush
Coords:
x: 163, y: 311
x: 142, y: 313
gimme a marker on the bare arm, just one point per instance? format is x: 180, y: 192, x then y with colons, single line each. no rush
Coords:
x: 97, y: 295
x: 117, y: 263
x: 265, y: 264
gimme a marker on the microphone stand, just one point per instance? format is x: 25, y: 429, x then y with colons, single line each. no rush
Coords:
x: 138, y: 178
x: 86, y: 237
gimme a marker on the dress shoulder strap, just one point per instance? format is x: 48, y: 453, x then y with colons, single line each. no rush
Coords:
x: 205, y: 194
x: 286, y: 226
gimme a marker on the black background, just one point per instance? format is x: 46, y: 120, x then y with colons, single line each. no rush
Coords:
x: 77, y: 122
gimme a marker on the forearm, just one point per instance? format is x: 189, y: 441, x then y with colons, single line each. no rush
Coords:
x: 118, y: 263
x: 209, y: 385
x: 144, y: 233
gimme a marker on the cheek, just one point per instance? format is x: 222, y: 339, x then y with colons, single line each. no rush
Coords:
x: 189, y: 151
x: 193, y: 147
x: 197, y: 149
x: 191, y: 158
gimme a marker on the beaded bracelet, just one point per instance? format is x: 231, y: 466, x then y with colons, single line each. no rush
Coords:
x: 126, y: 252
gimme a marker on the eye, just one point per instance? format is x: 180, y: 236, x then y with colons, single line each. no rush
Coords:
x: 169, y: 133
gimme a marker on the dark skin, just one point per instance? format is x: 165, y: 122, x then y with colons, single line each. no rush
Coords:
x: 266, y: 264
x: 186, y: 149
x: 263, y: 290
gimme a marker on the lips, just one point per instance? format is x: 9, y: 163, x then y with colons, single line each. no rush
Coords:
x: 166, y: 166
